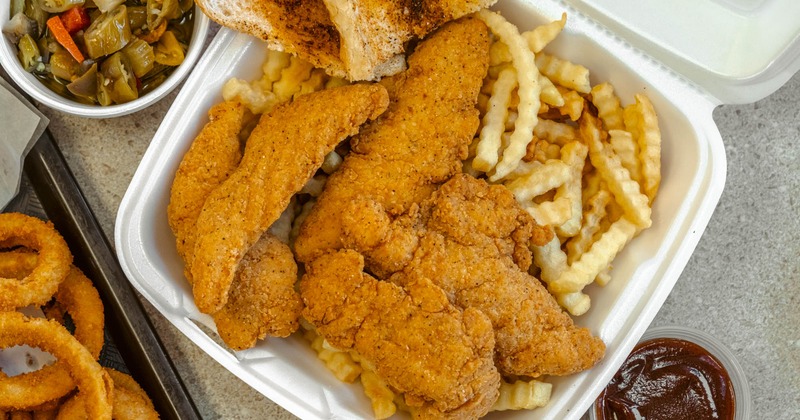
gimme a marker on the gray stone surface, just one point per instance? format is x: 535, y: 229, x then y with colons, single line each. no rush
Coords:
x: 742, y: 284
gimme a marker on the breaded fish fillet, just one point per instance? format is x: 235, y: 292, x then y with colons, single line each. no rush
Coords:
x: 472, y: 241
x: 262, y: 300
x: 423, y: 346
x: 213, y: 156
x: 400, y: 158
x: 282, y: 153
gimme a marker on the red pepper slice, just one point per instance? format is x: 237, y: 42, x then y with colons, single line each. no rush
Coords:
x: 62, y: 36
x: 75, y: 19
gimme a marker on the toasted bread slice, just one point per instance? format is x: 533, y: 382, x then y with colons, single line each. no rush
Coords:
x: 300, y: 27
x: 356, y: 39
x: 374, y: 32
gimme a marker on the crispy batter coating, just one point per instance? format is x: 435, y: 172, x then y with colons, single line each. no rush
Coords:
x: 262, y: 300
x: 242, y: 208
x: 423, y: 346
x: 213, y: 156
x: 418, y: 143
x: 471, y: 239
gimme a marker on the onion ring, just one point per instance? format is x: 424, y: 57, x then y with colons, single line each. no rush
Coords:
x: 92, y: 381
x: 130, y: 401
x: 17, y: 263
x: 53, y: 261
x: 78, y: 297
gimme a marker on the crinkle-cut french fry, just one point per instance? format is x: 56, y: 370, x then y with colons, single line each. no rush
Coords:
x: 608, y: 106
x: 380, y: 395
x: 595, y: 212
x: 555, y: 132
x: 542, y: 178
x: 298, y: 71
x: 550, y: 94
x: 550, y: 259
x: 499, y: 54
x: 252, y: 95
x: 642, y: 122
x: 315, y: 82
x: 314, y: 186
x: 331, y: 163
x: 528, y: 91
x: 564, y: 73
x: 273, y: 65
x: 574, y: 155
x: 592, y: 183
x: 553, y: 263
x: 483, y: 104
x: 336, y: 82
x: 340, y: 363
x: 576, y: 303
x: 626, y: 191
x: 551, y: 213
x: 536, y: 151
x: 488, y: 150
x: 538, y: 37
x: 573, y: 103
x: 626, y: 148
x: 510, y: 120
x: 522, y: 169
x: 600, y: 255
x: 603, y: 277
x: 522, y: 395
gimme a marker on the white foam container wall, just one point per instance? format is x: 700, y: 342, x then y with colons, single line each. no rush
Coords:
x: 288, y: 372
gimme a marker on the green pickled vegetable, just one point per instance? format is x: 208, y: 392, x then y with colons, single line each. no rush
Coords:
x: 137, y: 16
x: 33, y: 11
x: 58, y: 6
x: 108, y: 34
x: 121, y: 83
x: 169, y: 51
x: 17, y: 6
x: 63, y: 66
x: 141, y: 56
x: 159, y: 10
x: 103, y: 90
x: 29, y: 55
x: 85, y: 85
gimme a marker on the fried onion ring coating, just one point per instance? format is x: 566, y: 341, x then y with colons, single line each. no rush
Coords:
x: 53, y: 261
x: 92, y: 381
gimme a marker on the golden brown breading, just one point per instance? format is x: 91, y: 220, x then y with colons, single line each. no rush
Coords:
x: 424, y: 347
x: 418, y: 143
x: 262, y: 300
x: 243, y: 207
x: 213, y: 156
x: 472, y: 241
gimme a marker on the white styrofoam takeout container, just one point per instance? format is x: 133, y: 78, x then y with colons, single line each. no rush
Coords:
x: 42, y: 94
x: 288, y: 372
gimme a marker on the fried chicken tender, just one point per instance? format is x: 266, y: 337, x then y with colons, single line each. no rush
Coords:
x: 262, y: 300
x: 419, y: 142
x: 424, y: 347
x: 261, y: 303
x: 471, y: 239
x: 282, y: 153
x: 213, y: 156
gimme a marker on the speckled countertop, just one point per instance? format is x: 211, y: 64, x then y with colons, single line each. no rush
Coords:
x: 742, y: 284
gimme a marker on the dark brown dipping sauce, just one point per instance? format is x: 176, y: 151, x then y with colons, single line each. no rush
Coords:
x: 668, y: 378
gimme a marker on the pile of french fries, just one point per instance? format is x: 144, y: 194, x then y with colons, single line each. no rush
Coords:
x: 572, y: 155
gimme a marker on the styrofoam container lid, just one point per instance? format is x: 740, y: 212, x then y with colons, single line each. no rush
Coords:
x: 739, y: 51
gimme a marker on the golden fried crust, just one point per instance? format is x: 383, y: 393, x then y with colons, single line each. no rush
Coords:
x: 213, y: 156
x: 473, y: 243
x: 423, y: 346
x: 401, y: 157
x: 262, y: 300
x: 243, y: 207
